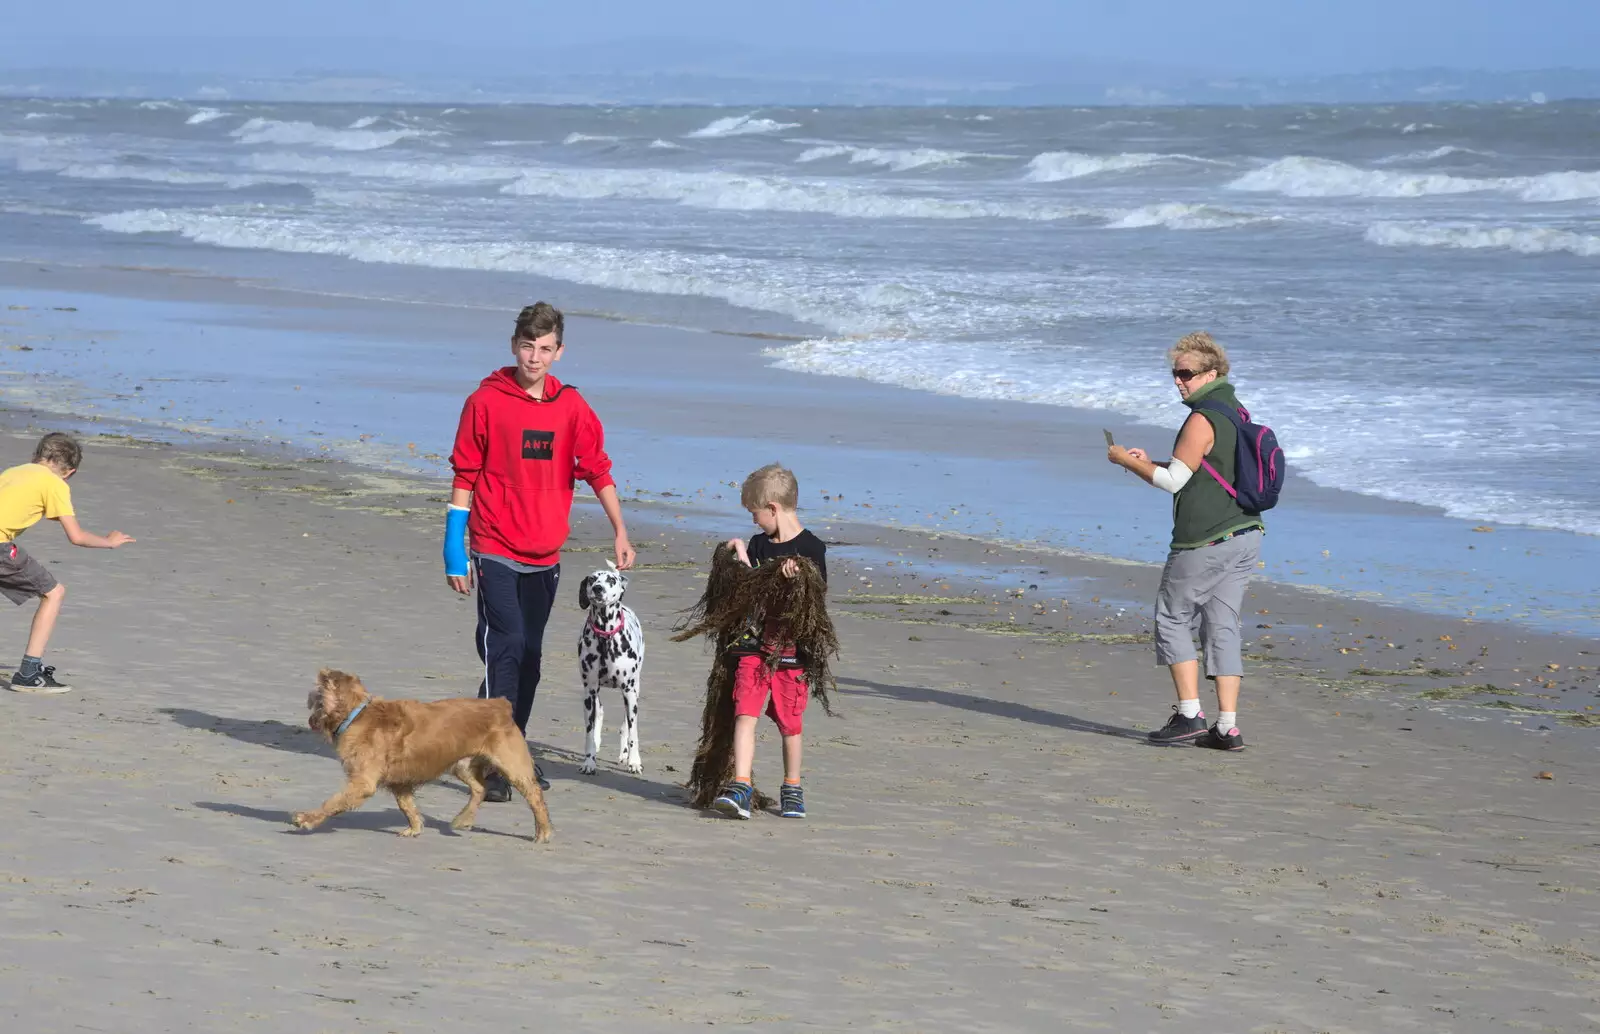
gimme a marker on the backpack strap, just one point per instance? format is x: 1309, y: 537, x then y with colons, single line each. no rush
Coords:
x: 1234, y: 416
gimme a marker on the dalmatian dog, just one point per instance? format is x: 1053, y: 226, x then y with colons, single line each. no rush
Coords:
x: 610, y: 656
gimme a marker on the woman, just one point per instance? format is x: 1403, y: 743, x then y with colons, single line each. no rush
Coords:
x: 1215, y: 546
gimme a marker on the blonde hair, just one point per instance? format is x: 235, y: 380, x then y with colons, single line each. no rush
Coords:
x: 1212, y: 355
x: 773, y: 483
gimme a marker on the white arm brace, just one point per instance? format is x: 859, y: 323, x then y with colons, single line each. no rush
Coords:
x: 1171, y: 477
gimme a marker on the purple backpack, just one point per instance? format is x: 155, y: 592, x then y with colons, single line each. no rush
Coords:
x: 1258, y: 468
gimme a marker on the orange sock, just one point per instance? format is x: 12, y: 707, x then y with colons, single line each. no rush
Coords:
x: 790, y: 782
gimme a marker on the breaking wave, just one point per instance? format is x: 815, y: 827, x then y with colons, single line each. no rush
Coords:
x: 272, y: 131
x: 900, y: 160
x: 1322, y: 177
x: 741, y: 125
x: 1054, y: 166
x: 1527, y: 241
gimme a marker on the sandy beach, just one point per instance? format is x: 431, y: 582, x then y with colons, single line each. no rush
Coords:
x: 991, y: 847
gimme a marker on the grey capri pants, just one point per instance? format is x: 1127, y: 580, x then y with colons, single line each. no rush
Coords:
x: 1206, y: 584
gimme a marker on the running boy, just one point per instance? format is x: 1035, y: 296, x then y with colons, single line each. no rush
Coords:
x: 771, y: 494
x: 523, y: 439
x: 27, y: 493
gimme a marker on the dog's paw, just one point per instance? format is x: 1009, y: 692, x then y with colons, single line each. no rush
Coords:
x: 542, y: 835
x: 634, y: 765
x: 409, y: 832
x: 303, y: 820
x: 588, y: 767
x: 461, y: 825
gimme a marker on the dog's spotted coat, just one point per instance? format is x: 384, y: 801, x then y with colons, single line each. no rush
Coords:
x: 610, y: 655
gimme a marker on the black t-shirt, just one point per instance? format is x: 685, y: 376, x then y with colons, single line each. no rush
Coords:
x: 805, y: 544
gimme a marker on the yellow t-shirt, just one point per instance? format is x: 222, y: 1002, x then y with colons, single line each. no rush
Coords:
x: 27, y: 493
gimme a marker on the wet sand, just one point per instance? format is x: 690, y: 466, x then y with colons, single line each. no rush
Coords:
x: 991, y: 847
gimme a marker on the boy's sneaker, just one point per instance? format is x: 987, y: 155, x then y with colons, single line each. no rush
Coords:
x: 1179, y: 729
x: 1214, y: 738
x: 41, y: 681
x: 792, y: 802
x: 734, y: 800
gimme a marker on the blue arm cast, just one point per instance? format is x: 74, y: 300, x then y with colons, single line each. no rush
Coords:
x: 455, y: 542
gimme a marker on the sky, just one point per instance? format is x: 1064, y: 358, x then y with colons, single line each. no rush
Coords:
x: 1239, y: 37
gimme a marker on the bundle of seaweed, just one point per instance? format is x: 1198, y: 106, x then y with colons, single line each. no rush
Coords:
x: 792, y: 609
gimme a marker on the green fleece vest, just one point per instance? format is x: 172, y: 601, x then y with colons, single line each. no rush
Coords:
x: 1203, y: 511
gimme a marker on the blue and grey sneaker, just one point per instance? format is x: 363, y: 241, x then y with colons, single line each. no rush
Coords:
x: 734, y: 800
x: 792, y: 802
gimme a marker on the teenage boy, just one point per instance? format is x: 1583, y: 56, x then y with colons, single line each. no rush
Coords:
x: 523, y: 440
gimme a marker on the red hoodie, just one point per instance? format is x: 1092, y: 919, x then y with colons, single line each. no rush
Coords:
x: 519, y: 457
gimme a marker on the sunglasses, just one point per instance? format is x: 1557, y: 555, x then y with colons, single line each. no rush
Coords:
x: 1186, y: 375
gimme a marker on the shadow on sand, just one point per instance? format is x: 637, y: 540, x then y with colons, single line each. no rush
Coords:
x: 997, y: 708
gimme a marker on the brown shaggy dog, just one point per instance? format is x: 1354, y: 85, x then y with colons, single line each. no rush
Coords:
x: 401, y: 744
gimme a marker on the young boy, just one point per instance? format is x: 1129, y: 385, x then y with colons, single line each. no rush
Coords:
x: 771, y: 494
x: 524, y: 438
x: 27, y: 493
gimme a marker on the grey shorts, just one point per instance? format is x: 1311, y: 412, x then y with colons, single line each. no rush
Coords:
x: 22, y: 578
x: 1206, y: 586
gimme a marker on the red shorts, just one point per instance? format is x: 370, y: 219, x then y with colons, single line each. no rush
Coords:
x: 754, y: 683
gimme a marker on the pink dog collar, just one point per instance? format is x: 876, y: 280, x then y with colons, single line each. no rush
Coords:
x: 597, y: 630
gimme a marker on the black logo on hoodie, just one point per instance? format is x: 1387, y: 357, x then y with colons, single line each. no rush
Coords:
x: 538, y: 445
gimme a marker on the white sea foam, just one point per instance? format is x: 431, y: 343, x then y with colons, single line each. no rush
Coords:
x: 898, y: 159
x: 1322, y: 177
x: 159, y: 105
x: 32, y: 115
x: 665, y: 145
x: 1363, y: 428
x: 1423, y: 157
x: 734, y: 192
x: 203, y: 116
x: 1054, y: 166
x: 581, y: 138
x: 399, y: 170
x: 129, y: 171
x: 1184, y: 216
x: 741, y: 125
x: 1526, y: 240
x: 364, y: 122
x: 273, y: 131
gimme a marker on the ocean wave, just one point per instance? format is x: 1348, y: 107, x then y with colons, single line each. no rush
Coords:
x: 203, y: 116
x: 1054, y: 166
x: 1527, y: 241
x: 1075, y: 377
x: 841, y: 299
x: 665, y: 145
x: 1437, y: 154
x: 741, y: 125
x: 580, y: 138
x: 1298, y: 176
x: 747, y: 283
x: 399, y: 170
x: 32, y: 115
x: 144, y: 173
x: 1182, y: 216
x: 733, y: 192
x: 900, y: 160
x: 272, y: 131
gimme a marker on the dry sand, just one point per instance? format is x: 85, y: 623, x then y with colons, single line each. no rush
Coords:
x: 991, y: 847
